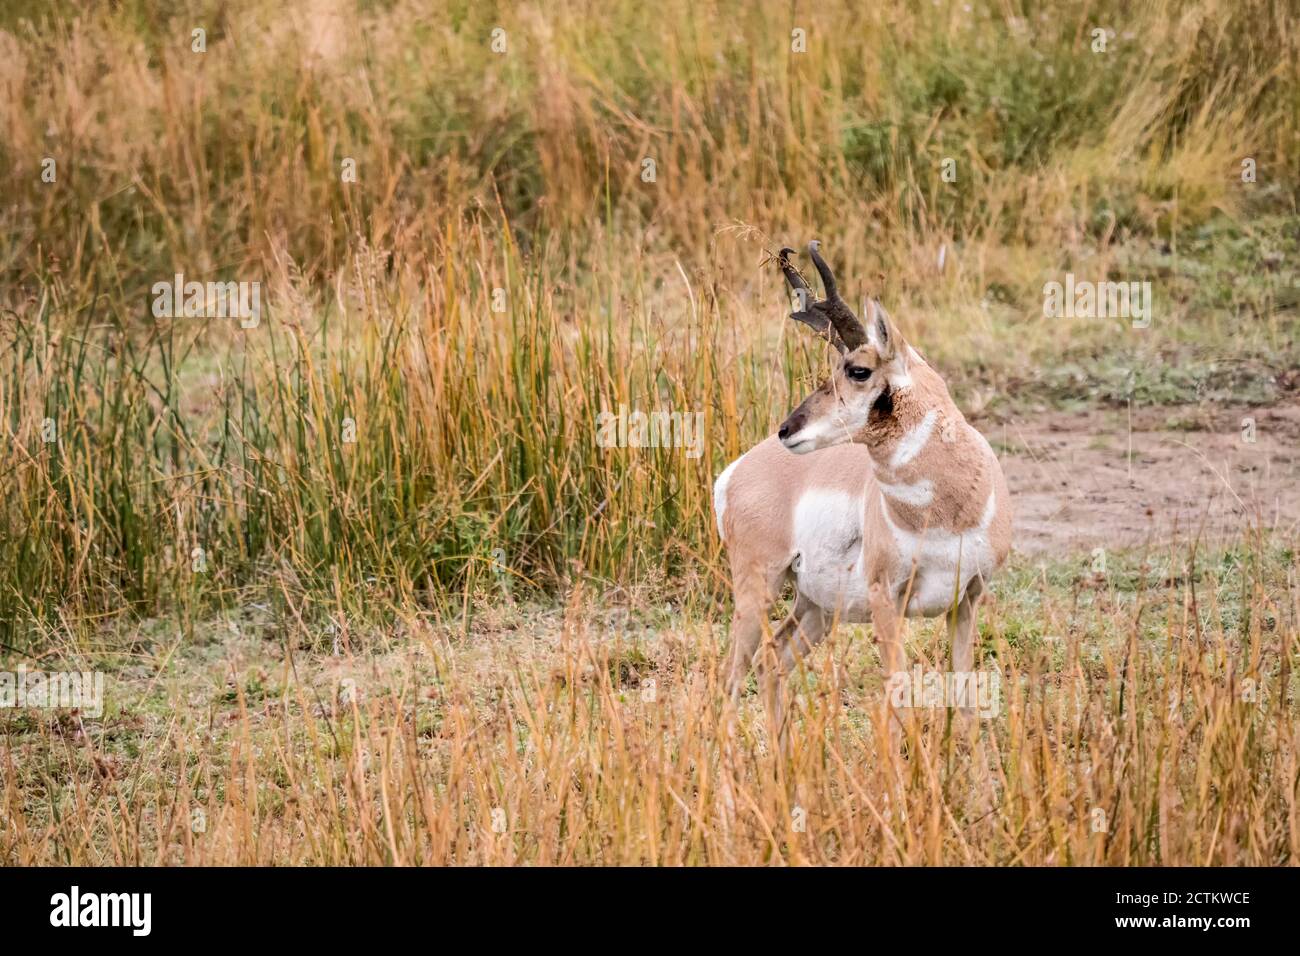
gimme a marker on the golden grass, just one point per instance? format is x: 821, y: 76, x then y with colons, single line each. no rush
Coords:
x: 475, y: 426
x: 1146, y: 719
x: 522, y: 172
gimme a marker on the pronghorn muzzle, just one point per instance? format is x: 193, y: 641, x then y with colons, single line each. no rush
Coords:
x: 798, y: 420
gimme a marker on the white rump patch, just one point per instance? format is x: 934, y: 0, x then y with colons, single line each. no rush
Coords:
x: 720, y: 493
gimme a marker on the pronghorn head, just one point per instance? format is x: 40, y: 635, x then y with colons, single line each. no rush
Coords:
x: 873, y: 361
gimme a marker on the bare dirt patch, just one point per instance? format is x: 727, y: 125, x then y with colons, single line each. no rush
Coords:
x: 1115, y: 477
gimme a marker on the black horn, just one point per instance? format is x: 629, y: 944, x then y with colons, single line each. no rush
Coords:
x: 792, y: 275
x: 849, y: 327
x: 808, y: 312
x: 823, y: 270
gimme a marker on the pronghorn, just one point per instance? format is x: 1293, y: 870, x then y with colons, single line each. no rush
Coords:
x: 875, y: 495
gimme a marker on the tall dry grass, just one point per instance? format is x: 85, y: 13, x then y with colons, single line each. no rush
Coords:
x: 163, y: 477
x: 1145, y: 719
x: 523, y: 172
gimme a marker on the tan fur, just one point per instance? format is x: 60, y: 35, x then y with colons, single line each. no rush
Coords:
x: 939, y: 495
x: 957, y: 460
x: 767, y: 481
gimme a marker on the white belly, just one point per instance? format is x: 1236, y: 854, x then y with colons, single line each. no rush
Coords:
x: 828, y: 561
x: 827, y: 566
x: 944, y: 565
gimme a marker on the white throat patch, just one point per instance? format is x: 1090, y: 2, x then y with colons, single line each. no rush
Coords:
x: 910, y: 445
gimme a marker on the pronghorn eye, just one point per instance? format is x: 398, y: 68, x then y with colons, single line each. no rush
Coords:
x: 858, y: 373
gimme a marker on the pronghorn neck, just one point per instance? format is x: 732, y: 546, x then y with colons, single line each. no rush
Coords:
x: 902, y: 423
x: 925, y: 462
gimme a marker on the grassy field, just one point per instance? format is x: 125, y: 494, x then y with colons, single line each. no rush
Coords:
x: 360, y: 575
x: 1148, y: 718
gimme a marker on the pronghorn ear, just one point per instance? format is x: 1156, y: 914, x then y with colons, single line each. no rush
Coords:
x: 882, y: 333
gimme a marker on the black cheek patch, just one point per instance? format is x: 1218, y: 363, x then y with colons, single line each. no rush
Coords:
x: 883, y: 406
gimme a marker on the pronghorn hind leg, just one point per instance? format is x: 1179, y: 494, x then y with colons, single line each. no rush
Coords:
x: 809, y: 627
x: 754, y: 595
x: 813, y: 626
x: 758, y: 656
x: 746, y: 632
x: 755, y: 591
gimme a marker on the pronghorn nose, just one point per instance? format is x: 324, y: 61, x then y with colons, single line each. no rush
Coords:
x: 790, y: 427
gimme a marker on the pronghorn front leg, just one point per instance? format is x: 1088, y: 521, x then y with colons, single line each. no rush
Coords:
x: 961, y: 631
x: 961, y: 628
x: 887, y: 630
